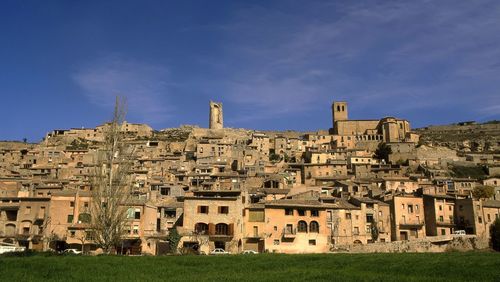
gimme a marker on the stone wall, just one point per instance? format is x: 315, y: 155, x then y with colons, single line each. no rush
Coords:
x: 436, y: 244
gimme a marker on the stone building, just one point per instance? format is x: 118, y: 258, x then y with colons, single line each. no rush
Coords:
x: 296, y: 226
x: 439, y: 215
x: 213, y: 219
x: 408, y: 217
x: 388, y: 129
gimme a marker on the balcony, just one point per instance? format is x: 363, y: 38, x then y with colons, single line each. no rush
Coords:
x: 289, y: 232
x: 131, y: 235
x: 411, y: 223
x: 445, y: 223
x: 220, y: 235
x: 255, y: 236
x: 156, y: 233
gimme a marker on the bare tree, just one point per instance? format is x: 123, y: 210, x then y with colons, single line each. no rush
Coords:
x: 82, y: 238
x: 111, y: 183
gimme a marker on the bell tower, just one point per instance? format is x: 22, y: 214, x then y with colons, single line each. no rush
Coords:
x: 339, y: 112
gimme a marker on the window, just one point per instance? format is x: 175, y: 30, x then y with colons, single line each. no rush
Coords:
x: 203, y: 209
x: 169, y: 213
x: 312, y: 242
x: 443, y: 232
x: 137, y: 214
x: 441, y: 219
x: 256, y: 216
x: 255, y: 231
x: 276, y: 242
x: 302, y: 226
x: 489, y: 218
x: 301, y: 212
x: 480, y: 219
x: 314, y: 213
x: 201, y: 228
x: 89, y: 235
x: 84, y: 217
x: 130, y: 213
x: 440, y: 207
x: 224, y: 209
x: 410, y: 208
x: 27, y: 210
x: 165, y: 191
x: 85, y: 204
x: 72, y: 233
x: 70, y: 218
x: 356, y: 231
x: 314, y: 227
x: 288, y: 211
x: 72, y: 204
x: 221, y: 229
x: 136, y: 229
x: 347, y: 216
x: 403, y: 206
x: 369, y: 218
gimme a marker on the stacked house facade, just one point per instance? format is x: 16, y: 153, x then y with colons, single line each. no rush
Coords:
x: 237, y: 190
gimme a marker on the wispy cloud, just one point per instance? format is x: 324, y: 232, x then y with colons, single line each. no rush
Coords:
x: 412, y: 56
x: 146, y: 87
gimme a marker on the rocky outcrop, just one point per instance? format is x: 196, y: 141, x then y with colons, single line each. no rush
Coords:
x: 463, y: 137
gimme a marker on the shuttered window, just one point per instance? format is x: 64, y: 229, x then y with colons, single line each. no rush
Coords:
x: 256, y: 216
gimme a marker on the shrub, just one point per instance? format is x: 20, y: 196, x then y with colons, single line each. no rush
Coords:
x: 483, y: 192
x: 495, y: 235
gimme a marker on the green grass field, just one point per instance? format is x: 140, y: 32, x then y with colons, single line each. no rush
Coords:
x: 473, y: 266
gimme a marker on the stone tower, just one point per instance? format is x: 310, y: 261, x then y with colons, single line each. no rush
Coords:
x: 216, y: 118
x: 339, y: 112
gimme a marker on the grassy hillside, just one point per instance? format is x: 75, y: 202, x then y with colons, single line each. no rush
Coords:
x: 473, y: 266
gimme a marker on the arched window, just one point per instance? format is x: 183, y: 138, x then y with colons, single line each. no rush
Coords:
x: 201, y: 228
x: 314, y: 227
x: 302, y: 226
x: 338, y: 108
x: 84, y: 217
x: 221, y: 229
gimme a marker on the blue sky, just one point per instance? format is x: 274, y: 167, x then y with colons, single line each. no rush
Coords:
x: 273, y: 64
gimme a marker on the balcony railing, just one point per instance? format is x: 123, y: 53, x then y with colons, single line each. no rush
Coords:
x: 255, y: 235
x: 445, y: 223
x: 411, y: 222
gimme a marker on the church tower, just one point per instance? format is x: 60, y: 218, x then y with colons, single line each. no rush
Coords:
x: 339, y: 112
x: 216, y: 118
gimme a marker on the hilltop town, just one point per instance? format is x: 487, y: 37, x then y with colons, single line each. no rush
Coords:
x: 361, y: 183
